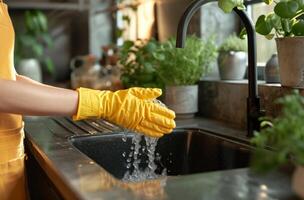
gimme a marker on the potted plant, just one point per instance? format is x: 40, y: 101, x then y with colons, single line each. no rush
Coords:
x: 285, y: 134
x: 286, y: 24
x: 181, y: 69
x: 30, y: 46
x: 138, y: 64
x: 232, y: 59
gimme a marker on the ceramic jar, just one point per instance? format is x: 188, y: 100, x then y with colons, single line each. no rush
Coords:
x: 272, y: 70
x: 232, y: 65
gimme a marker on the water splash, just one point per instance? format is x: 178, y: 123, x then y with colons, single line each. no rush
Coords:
x: 142, y: 145
x: 138, y: 174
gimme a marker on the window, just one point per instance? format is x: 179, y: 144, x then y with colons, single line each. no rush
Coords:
x: 265, y: 47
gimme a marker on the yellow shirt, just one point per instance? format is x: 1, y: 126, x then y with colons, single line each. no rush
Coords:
x: 7, y: 71
x: 11, y: 126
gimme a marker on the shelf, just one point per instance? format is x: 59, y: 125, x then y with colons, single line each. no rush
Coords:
x: 48, y: 6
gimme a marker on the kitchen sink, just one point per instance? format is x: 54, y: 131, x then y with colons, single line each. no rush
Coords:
x: 185, y: 151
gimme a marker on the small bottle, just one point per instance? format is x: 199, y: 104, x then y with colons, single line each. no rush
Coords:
x: 272, y: 70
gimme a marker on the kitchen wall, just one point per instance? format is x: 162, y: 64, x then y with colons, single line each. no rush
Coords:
x: 227, y: 100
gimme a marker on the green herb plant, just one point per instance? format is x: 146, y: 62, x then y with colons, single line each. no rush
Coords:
x: 138, y: 64
x: 34, y: 39
x: 185, y: 66
x: 284, y: 21
x: 233, y: 43
x: 285, y: 134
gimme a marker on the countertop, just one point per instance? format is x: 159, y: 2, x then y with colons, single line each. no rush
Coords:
x: 77, y: 177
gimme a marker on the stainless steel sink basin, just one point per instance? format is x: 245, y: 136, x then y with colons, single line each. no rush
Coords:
x: 182, y: 152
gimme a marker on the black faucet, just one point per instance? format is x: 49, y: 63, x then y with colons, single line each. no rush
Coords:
x: 253, y: 101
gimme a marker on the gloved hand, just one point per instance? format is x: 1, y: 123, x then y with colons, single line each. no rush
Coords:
x: 132, y: 108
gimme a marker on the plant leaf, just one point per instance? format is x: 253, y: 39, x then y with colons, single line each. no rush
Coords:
x: 42, y: 21
x: 300, y: 3
x: 286, y: 9
x: 269, y: 36
x: 126, y: 18
x: 263, y: 26
x: 38, y: 50
x: 127, y: 45
x: 286, y: 26
x: 268, y: 2
x: 228, y: 5
x: 274, y: 20
x: 243, y: 33
x: 298, y: 28
x: 119, y: 32
x: 28, y: 22
x: 49, y: 65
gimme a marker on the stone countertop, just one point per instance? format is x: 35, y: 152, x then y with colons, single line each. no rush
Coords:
x: 77, y: 177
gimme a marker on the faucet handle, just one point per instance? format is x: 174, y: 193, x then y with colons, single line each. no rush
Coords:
x: 262, y: 113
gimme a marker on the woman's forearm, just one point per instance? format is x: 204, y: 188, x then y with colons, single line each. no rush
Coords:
x: 30, y: 98
x: 24, y: 79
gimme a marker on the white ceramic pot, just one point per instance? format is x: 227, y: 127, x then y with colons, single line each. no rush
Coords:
x: 298, y: 181
x: 291, y: 61
x: 30, y: 68
x: 232, y: 65
x: 183, y: 100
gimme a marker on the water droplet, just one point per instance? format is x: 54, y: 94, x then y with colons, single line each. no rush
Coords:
x: 124, y: 154
x: 124, y: 137
x: 140, y: 147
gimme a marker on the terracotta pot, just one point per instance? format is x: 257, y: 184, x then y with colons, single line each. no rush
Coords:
x: 298, y: 181
x: 291, y: 61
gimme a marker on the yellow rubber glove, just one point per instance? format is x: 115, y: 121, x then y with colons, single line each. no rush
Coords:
x: 132, y: 108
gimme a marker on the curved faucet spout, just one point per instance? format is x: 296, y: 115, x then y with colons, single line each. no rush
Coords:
x: 253, y: 101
